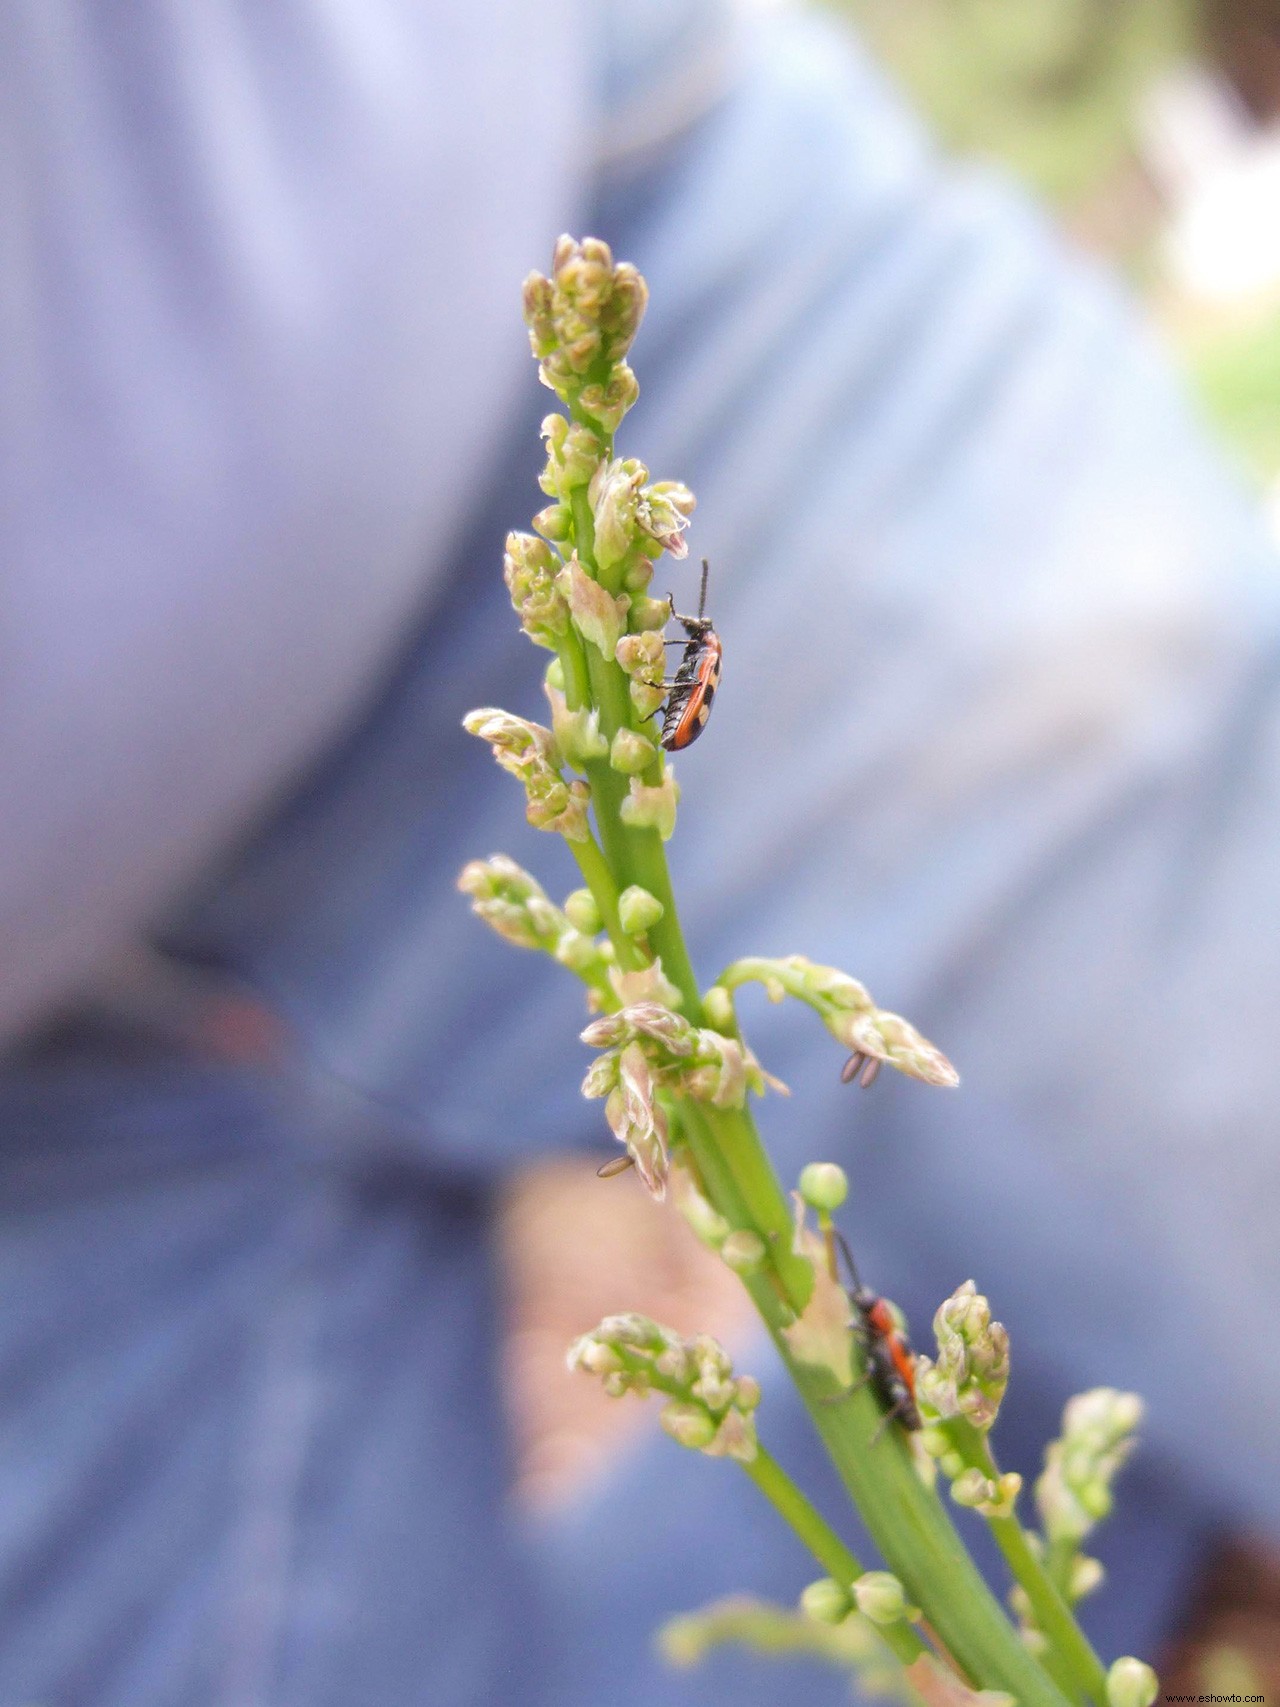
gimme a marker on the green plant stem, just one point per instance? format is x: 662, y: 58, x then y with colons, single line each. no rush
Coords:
x: 1085, y: 1672
x: 823, y: 1542
x: 599, y: 879
x: 906, y: 1520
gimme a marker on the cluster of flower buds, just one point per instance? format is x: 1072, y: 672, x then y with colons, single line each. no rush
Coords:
x: 991, y: 1496
x: 643, y: 659
x: 582, y: 321
x: 871, y: 1034
x: 530, y: 568
x: 762, y: 1628
x: 708, y: 1409
x: 1074, y: 1491
x: 647, y: 1047
x: 971, y: 1371
x: 515, y: 905
x: 529, y: 752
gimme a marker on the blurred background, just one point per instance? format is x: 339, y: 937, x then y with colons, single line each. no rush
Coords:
x: 1152, y: 129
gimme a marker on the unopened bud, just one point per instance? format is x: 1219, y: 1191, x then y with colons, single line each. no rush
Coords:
x: 824, y: 1185
x: 717, y: 1006
x: 652, y: 807
x: 582, y: 912
x: 826, y: 1602
x: 555, y: 522
x: 743, y: 1251
x: 577, y: 733
x: 631, y: 753
x: 597, y: 615
x: 1087, y: 1575
x: 599, y: 1359
x: 688, y: 1424
x: 971, y: 1488
x: 1130, y: 1683
x: 747, y: 1394
x: 880, y: 1597
x: 638, y: 910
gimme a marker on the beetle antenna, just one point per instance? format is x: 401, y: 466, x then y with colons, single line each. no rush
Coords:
x: 702, y: 596
x: 849, y: 1262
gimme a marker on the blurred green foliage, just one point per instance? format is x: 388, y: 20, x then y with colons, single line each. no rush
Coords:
x: 1045, y: 86
x: 1049, y: 89
x: 1236, y: 372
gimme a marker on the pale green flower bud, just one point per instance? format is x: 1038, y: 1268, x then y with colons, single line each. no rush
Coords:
x: 583, y: 955
x: 717, y: 1006
x: 642, y: 655
x: 971, y: 1488
x: 715, y: 1388
x: 631, y: 753
x: 652, y: 807
x: 577, y: 733
x: 747, y: 1394
x: 598, y: 1359
x: 562, y: 808
x: 1130, y: 1683
x: 609, y: 402
x: 529, y: 569
x: 518, y: 744
x: 743, y: 1251
x: 597, y: 615
x: 735, y: 1438
x: 645, y: 984
x: 880, y: 1597
x: 1087, y: 1576
x: 688, y: 1424
x: 621, y: 316
x: 824, y: 1185
x: 555, y: 522
x: 538, y: 314
x: 582, y: 912
x: 648, y: 615
x: 636, y: 578
x: 643, y: 658
x: 630, y: 1328
x: 573, y: 451
x: 638, y: 910
x: 674, y: 1364
x: 826, y: 1602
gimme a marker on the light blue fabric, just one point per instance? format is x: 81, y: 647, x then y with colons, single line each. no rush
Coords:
x: 997, y: 733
